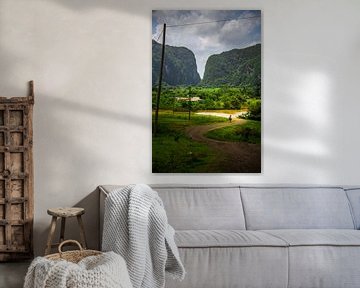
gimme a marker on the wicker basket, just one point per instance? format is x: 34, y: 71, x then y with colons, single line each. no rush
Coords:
x: 72, y: 256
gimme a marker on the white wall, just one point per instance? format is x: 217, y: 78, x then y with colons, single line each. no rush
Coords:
x: 91, y: 63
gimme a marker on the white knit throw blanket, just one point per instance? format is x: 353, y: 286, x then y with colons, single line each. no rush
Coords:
x: 103, y: 271
x: 136, y: 227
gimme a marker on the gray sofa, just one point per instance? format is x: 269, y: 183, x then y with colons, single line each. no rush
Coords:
x: 264, y: 236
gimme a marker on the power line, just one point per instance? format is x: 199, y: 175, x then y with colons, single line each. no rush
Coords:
x: 208, y: 22
x: 157, y: 40
x: 158, y: 37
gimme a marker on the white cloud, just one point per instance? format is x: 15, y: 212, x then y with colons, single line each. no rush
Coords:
x: 210, y: 38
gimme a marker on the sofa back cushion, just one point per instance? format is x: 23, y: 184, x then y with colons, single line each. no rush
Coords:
x: 296, y: 208
x: 354, y: 198
x: 203, y: 208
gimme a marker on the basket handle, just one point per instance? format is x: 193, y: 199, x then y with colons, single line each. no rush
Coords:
x: 69, y: 241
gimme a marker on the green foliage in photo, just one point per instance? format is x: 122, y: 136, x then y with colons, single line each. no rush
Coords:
x: 249, y: 132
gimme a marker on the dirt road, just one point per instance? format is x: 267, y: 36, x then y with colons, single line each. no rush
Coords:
x: 225, y: 115
x: 234, y: 157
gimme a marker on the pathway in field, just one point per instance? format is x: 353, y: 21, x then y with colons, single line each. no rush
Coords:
x: 225, y: 115
x: 234, y: 157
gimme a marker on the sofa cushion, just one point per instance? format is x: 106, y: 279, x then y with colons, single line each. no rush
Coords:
x: 296, y: 208
x: 226, y: 238
x: 191, y: 208
x: 324, y: 266
x: 223, y: 267
x: 354, y: 198
x: 315, y: 237
x: 322, y: 258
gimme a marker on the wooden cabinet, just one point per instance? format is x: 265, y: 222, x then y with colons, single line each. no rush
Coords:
x: 16, y: 177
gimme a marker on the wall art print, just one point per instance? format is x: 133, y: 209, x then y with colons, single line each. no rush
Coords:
x: 206, y: 91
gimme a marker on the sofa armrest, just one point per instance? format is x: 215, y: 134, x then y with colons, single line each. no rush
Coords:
x: 103, y: 195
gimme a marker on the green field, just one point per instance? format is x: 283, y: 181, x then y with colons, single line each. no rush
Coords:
x: 249, y: 132
x: 174, y: 152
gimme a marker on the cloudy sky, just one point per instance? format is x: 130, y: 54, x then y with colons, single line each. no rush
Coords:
x: 208, y: 38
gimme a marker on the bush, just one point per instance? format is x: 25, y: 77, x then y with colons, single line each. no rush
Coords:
x: 254, y: 110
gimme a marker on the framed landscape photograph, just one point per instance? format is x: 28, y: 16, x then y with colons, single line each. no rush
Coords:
x: 206, y: 91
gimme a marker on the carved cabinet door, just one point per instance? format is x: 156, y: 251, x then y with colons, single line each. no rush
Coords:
x: 16, y: 178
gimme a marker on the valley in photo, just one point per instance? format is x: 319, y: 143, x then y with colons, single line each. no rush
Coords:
x: 206, y: 109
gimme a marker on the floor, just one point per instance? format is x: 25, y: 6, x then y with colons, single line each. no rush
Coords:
x: 12, y: 274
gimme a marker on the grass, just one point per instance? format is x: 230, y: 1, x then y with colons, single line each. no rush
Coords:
x: 174, y: 125
x: 174, y: 152
x: 224, y: 111
x: 249, y: 132
x: 180, y: 155
x: 181, y: 118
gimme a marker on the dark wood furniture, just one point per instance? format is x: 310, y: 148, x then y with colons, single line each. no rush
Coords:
x: 16, y: 177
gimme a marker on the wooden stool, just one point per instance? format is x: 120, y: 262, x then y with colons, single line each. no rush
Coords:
x: 64, y: 213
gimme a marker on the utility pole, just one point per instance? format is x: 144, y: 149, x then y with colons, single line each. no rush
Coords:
x: 174, y: 99
x: 189, y: 104
x: 160, y: 80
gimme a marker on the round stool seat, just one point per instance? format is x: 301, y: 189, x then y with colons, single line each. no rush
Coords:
x: 66, y: 211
